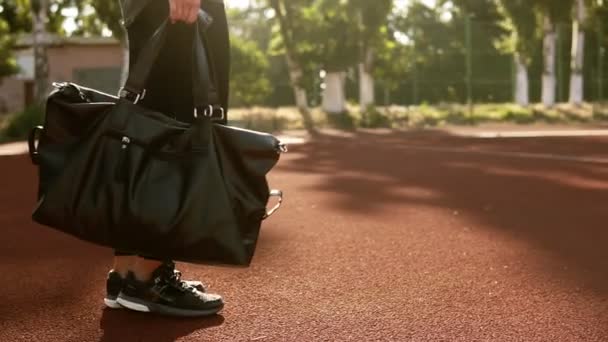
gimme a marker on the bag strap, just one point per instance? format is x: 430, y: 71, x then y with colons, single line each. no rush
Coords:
x: 134, y: 88
x: 205, y: 94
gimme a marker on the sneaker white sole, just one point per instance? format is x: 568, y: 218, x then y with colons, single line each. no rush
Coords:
x: 112, y: 304
x: 132, y: 303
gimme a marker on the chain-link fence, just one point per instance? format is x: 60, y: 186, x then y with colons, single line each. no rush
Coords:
x: 482, y: 74
x: 471, y: 68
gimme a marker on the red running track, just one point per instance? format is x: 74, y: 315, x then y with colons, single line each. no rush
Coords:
x: 383, y: 237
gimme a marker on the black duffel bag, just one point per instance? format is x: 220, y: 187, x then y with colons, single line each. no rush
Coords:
x: 116, y: 174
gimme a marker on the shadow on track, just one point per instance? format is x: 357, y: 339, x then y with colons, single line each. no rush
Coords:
x: 558, y: 206
x: 124, y: 325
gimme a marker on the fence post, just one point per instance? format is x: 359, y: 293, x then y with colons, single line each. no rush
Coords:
x: 415, y: 84
x: 600, y: 63
x: 387, y: 94
x: 560, y: 63
x: 513, y: 80
x: 469, y: 62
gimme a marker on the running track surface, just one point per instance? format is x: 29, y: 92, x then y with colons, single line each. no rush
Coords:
x: 382, y: 237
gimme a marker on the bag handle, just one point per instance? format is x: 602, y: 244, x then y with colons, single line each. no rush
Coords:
x: 279, y: 195
x: 32, y: 143
x: 134, y: 88
x: 205, y: 94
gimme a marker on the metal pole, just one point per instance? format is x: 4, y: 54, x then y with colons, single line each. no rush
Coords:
x: 387, y: 95
x: 469, y: 63
x: 415, y: 71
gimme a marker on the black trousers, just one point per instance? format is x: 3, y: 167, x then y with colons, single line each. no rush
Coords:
x: 169, y: 87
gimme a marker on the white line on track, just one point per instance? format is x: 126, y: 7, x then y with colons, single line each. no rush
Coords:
x: 535, y: 134
x: 13, y: 149
x: 521, y: 155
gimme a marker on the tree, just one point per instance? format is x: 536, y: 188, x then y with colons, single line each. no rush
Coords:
x: 520, y: 24
x: 249, y: 84
x: 372, y: 35
x: 38, y: 17
x: 427, y: 45
x: 551, y: 12
x: 291, y: 22
x: 334, y: 36
x: 16, y: 14
x: 40, y: 39
x: 578, y: 50
x: 8, y: 65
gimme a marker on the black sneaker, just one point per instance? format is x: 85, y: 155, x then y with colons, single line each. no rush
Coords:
x: 113, y: 287
x: 115, y: 282
x: 167, y: 294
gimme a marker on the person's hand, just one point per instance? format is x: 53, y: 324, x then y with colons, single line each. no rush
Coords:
x: 184, y: 10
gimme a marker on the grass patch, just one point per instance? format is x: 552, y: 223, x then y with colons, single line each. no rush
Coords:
x: 344, y: 121
x: 371, y: 117
x: 423, y: 116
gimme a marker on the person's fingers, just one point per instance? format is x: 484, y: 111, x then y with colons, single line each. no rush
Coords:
x: 172, y: 11
x: 184, y: 10
x: 192, y: 15
x: 195, y: 5
x: 181, y: 10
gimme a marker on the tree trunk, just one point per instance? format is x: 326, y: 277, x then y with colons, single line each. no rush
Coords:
x: 282, y: 12
x: 39, y: 42
x: 334, y: 99
x: 522, y: 96
x: 549, y: 49
x: 578, y: 50
x: 295, y: 76
x: 366, y: 81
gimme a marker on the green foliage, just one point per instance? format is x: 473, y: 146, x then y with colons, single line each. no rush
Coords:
x: 8, y: 65
x: 423, y: 116
x: 92, y: 16
x: 16, y: 13
x: 598, y: 19
x: 557, y: 11
x: 106, y: 15
x: 249, y: 82
x: 262, y: 121
x: 20, y: 124
x: 345, y: 121
x: 334, y: 35
x: 520, y: 25
x: 371, y: 117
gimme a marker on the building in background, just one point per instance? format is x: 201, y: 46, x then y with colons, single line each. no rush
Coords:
x: 90, y: 61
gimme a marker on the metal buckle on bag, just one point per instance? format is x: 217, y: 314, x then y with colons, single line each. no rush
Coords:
x: 279, y: 195
x: 133, y: 97
x: 209, y: 111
